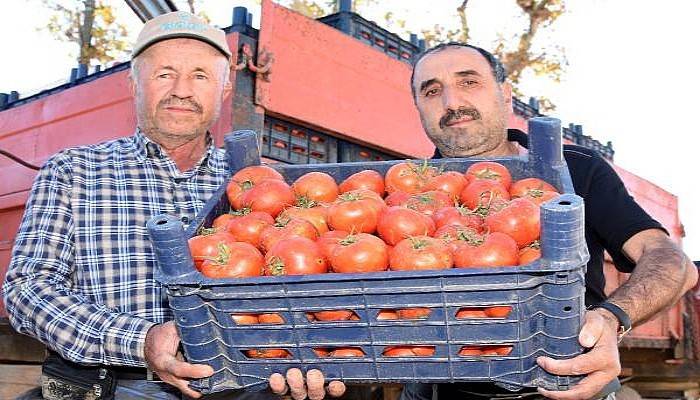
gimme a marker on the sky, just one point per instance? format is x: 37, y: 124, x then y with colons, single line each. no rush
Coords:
x: 631, y: 76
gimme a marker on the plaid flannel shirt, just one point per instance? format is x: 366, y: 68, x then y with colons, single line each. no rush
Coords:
x: 81, y: 276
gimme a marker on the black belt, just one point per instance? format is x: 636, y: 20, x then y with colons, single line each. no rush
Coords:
x: 133, y: 373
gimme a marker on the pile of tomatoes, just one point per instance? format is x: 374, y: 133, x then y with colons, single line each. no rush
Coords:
x: 416, y: 217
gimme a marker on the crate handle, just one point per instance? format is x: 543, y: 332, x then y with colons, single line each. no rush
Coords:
x: 562, y: 223
x: 242, y: 149
x: 545, y: 143
x: 173, y: 258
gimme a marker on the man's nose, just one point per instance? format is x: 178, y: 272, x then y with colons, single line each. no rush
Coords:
x: 451, y: 100
x: 182, y: 87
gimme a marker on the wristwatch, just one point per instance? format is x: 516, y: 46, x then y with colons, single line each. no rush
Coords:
x: 622, y: 317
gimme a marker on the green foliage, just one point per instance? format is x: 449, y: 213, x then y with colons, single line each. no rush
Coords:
x: 92, y: 25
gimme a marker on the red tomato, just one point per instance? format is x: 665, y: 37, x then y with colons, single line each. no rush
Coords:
x: 383, y: 315
x: 317, y: 215
x: 328, y: 240
x: 413, y: 313
x: 268, y: 195
x: 208, y: 246
x: 520, y: 219
x: 359, y: 253
x: 420, y: 253
x: 295, y: 256
x: 408, y: 177
x: 481, y: 193
x: 222, y: 221
x: 342, y: 352
x: 423, y: 351
x: 450, y: 182
x: 321, y: 352
x: 496, y: 350
x: 267, y: 353
x: 525, y: 187
x: 367, y: 179
x: 460, y: 216
x: 529, y: 253
x: 245, y: 179
x: 498, y: 311
x: 234, y: 191
x: 470, y: 312
x: 453, y: 235
x: 408, y: 351
x: 398, y: 351
x: 429, y: 202
x: 494, y: 250
x: 256, y: 173
x: 469, y: 351
x: 540, y: 197
x: 333, y: 315
x: 249, y: 227
x: 270, y: 318
x: 397, y: 198
x: 356, y: 211
x: 245, y: 319
x: 489, y: 170
x: 284, y: 229
x: 398, y: 223
x: 316, y: 186
x: 235, y: 260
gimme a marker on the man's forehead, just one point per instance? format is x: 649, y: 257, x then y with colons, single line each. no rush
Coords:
x: 450, y: 61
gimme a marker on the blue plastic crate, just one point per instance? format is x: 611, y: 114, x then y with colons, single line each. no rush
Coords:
x: 547, y: 297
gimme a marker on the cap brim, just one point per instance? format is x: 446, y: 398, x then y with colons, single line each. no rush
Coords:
x: 157, y: 39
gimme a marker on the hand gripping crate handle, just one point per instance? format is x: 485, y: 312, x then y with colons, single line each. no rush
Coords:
x: 169, y: 243
x: 242, y: 149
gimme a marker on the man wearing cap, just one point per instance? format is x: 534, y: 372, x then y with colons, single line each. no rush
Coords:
x: 81, y: 275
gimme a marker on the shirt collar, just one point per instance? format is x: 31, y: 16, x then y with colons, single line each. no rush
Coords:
x: 147, y: 148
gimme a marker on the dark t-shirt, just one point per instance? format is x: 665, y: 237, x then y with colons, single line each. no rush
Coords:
x: 612, y: 216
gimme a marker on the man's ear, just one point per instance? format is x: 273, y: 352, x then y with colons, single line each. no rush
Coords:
x: 228, y: 87
x: 507, y: 91
x: 132, y: 85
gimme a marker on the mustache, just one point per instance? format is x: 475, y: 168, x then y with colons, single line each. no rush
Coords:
x: 461, y: 112
x: 178, y: 102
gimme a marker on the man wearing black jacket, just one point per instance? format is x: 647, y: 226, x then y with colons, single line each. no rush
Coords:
x: 464, y: 105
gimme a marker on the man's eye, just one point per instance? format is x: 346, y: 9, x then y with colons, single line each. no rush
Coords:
x: 431, y: 92
x: 165, y: 75
x: 468, y: 82
x: 200, y: 76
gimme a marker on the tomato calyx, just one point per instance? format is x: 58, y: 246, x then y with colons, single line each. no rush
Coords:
x: 348, y: 240
x: 206, y: 231
x: 534, y: 245
x: 305, y: 202
x: 472, y: 238
x: 487, y: 173
x: 281, y: 221
x: 276, y: 266
x: 242, y: 212
x: 418, y: 243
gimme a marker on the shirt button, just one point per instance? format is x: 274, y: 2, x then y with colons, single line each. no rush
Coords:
x: 185, y: 219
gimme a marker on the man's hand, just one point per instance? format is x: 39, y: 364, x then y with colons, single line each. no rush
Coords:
x: 162, y: 358
x: 600, y: 365
x: 299, y: 390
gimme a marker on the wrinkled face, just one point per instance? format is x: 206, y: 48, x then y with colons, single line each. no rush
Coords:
x: 179, y: 85
x: 464, y: 111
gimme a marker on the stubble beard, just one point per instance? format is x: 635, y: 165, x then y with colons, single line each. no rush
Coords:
x: 157, y: 130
